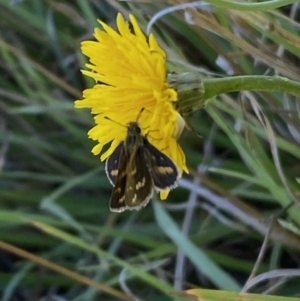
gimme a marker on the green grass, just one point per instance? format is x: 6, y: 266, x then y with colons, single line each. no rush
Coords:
x: 57, y: 236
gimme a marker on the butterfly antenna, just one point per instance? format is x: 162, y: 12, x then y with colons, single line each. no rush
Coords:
x: 139, y: 114
x: 105, y: 117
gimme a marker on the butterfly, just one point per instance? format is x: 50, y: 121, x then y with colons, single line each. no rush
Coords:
x: 137, y: 168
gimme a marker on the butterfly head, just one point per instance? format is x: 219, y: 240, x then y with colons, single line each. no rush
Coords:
x: 134, y: 128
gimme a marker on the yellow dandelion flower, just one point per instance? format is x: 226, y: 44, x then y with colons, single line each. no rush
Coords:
x: 130, y: 74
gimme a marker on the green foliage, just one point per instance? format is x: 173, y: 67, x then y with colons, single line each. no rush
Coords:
x: 58, y: 238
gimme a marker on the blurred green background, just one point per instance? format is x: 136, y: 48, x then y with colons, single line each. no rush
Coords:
x: 209, y: 233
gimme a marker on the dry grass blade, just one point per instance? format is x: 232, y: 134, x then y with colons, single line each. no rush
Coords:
x: 59, y: 269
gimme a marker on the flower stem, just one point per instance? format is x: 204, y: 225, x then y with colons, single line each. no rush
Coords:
x: 217, y: 86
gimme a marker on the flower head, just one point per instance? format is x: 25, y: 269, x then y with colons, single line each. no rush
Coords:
x: 130, y: 74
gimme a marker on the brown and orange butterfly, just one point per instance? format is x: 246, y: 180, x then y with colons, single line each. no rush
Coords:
x: 137, y: 168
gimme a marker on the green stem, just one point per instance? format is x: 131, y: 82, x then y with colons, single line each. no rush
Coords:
x: 217, y: 86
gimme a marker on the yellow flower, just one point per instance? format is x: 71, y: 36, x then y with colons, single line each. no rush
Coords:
x: 130, y: 74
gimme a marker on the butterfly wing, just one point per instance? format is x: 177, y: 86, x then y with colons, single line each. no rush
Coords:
x: 130, y: 175
x: 139, y: 184
x: 112, y: 164
x: 117, y: 173
x: 163, y: 171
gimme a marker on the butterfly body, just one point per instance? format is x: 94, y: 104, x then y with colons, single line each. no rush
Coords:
x: 136, y: 168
